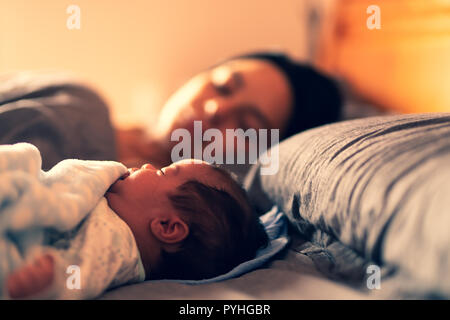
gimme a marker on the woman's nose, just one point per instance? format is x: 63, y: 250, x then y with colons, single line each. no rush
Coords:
x: 207, y: 109
x: 210, y: 107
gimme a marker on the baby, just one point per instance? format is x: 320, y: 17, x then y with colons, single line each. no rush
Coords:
x: 189, y: 220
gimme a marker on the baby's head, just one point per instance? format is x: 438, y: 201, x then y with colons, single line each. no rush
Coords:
x: 190, y: 220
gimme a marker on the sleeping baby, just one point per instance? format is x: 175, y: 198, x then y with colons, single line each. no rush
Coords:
x: 189, y: 220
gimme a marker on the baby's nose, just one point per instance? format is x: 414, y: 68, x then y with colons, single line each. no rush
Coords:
x: 148, y: 166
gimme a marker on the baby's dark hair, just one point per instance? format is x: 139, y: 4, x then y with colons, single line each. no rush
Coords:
x: 223, y: 231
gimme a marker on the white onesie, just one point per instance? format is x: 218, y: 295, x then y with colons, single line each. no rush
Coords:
x: 100, y: 254
x: 63, y: 212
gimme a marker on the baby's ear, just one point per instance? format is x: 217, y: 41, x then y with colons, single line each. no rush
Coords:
x: 169, y: 230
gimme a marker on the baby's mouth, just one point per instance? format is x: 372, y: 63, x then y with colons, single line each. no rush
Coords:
x: 128, y: 173
x: 122, y: 177
x: 125, y: 175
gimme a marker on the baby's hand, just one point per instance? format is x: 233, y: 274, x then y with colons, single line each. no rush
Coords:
x: 31, y: 279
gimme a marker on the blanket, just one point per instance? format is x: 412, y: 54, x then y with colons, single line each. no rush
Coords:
x: 63, y: 117
x: 33, y: 202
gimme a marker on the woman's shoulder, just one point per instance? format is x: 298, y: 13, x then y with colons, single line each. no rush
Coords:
x: 67, y: 116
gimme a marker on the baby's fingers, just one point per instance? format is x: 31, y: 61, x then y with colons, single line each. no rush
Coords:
x: 16, y: 284
x: 20, y: 284
x: 31, y: 279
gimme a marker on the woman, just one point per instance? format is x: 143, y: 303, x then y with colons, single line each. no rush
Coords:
x: 262, y: 90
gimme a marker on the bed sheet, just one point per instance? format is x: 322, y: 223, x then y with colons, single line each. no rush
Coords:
x: 292, y: 275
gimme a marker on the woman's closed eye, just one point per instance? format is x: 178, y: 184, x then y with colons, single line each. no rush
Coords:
x: 225, y: 83
x: 222, y: 90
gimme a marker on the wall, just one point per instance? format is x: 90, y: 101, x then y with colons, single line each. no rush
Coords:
x: 137, y: 52
x: 404, y: 65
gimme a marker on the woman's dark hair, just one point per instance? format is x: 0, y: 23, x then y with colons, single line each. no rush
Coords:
x: 223, y: 232
x: 317, y: 99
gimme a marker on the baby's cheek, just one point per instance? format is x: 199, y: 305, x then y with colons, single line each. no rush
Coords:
x: 113, y: 200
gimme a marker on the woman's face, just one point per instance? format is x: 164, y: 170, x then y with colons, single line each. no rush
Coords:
x: 242, y: 93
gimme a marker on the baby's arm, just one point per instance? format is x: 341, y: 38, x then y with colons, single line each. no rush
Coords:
x: 31, y: 279
x: 104, y: 251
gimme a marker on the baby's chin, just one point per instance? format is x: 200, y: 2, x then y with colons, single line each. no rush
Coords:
x: 113, y: 188
x: 109, y: 196
x: 112, y: 199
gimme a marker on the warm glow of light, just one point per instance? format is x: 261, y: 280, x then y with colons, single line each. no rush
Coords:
x: 124, y: 47
x: 221, y: 75
x: 210, y: 107
x: 405, y: 65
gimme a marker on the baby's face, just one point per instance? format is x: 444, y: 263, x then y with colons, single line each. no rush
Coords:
x: 148, y: 188
x: 141, y: 197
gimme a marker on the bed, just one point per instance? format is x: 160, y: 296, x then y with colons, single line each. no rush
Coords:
x: 291, y: 275
x: 361, y: 196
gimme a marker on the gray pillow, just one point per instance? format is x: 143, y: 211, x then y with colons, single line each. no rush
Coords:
x: 380, y: 186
